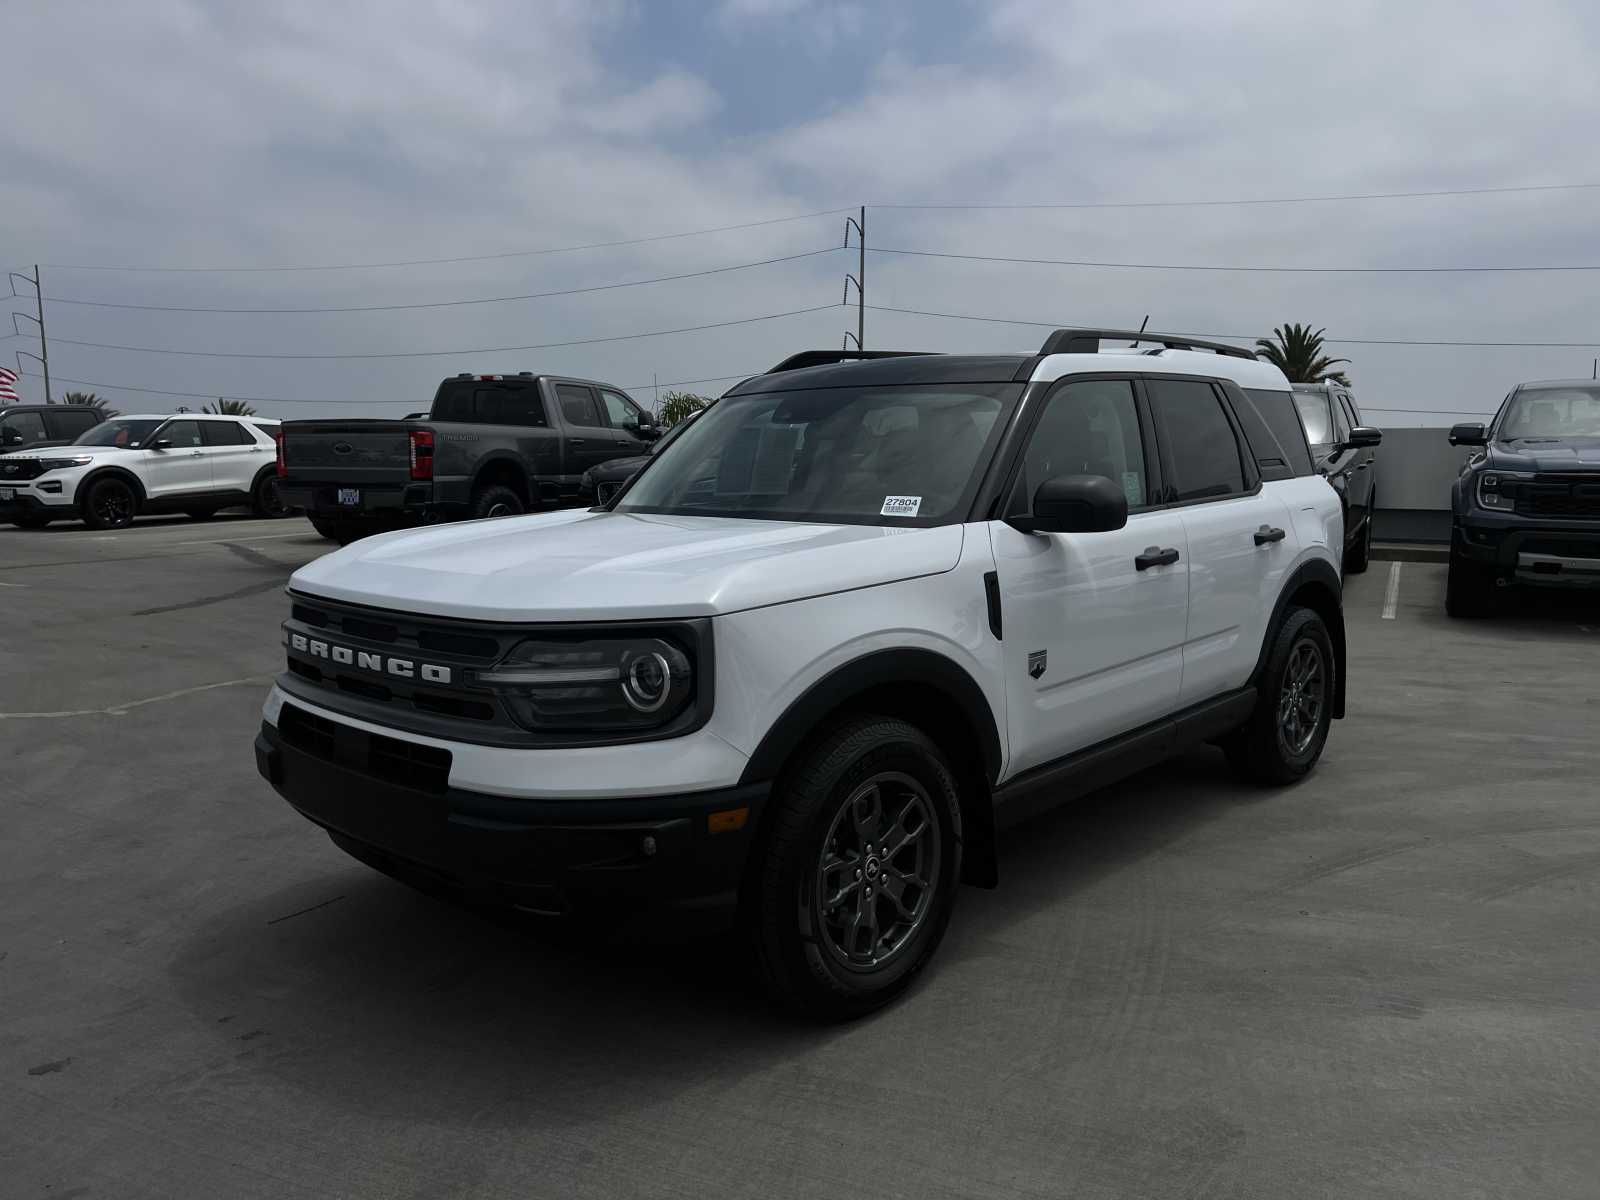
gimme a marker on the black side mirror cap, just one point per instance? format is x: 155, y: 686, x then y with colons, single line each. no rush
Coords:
x: 1363, y: 437
x: 163, y: 444
x: 1075, y: 504
x: 1471, y: 433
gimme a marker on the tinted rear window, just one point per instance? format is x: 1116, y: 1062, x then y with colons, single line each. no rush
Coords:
x: 1272, y: 426
x: 489, y: 402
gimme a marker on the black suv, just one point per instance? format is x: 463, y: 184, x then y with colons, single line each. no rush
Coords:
x: 1527, y: 506
x: 1343, y: 449
x: 25, y: 426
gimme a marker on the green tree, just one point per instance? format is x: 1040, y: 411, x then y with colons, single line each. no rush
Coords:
x: 89, y: 400
x: 230, y: 408
x: 1298, y: 354
x: 675, y: 406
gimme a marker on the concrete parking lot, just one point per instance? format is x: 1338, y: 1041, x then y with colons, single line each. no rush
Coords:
x: 1380, y: 983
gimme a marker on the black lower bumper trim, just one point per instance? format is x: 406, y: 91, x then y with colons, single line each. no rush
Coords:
x: 536, y: 852
x: 1511, y: 548
x: 24, y: 505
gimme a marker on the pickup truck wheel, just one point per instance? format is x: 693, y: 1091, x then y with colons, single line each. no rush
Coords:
x: 1284, y: 736
x: 110, y: 504
x: 495, y: 500
x: 327, y: 529
x: 265, y: 500
x: 852, y: 885
x: 1469, y: 588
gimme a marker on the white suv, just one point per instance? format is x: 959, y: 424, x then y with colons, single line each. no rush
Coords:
x: 189, y: 462
x: 822, y: 645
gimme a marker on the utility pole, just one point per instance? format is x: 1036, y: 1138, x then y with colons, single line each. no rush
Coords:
x: 44, y: 346
x: 859, y: 278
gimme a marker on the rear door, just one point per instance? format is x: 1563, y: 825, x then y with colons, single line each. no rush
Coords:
x: 1094, y: 622
x: 1239, y: 534
x: 590, y: 439
x: 235, y: 455
x: 179, y: 469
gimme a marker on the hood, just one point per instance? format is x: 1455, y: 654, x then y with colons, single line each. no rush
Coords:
x: 1546, y: 454
x: 578, y: 565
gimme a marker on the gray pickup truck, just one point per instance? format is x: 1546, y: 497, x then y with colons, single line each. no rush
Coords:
x: 491, y: 446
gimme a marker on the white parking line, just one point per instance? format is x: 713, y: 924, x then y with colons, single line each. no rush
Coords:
x: 1392, y: 596
x: 275, y: 537
x: 117, y: 710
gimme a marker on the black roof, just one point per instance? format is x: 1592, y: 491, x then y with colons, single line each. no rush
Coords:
x: 900, y: 369
x: 11, y: 408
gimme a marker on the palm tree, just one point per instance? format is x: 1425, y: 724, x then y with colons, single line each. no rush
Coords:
x: 230, y: 408
x: 1298, y: 354
x: 675, y: 406
x: 89, y: 400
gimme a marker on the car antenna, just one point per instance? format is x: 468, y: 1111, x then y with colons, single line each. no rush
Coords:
x: 1142, y: 324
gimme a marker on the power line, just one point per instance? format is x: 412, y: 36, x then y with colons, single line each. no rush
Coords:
x: 1489, y: 191
x: 428, y: 262
x: 1137, y: 266
x: 602, y: 287
x: 1251, y: 337
x: 621, y: 337
x: 123, y: 387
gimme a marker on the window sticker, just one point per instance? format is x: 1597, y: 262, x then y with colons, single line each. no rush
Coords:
x: 900, y: 506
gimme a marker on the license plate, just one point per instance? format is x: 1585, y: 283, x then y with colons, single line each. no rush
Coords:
x: 8, y: 493
x: 350, y: 496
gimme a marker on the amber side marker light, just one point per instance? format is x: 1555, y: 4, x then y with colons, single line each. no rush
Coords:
x: 727, y: 821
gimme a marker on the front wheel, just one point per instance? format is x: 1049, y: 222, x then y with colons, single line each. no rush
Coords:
x: 1284, y: 736
x: 110, y: 504
x: 1469, y: 589
x: 851, y: 888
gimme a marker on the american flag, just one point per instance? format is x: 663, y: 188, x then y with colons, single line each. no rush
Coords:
x: 8, y: 386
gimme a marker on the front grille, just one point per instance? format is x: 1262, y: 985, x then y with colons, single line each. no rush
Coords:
x: 605, y: 491
x: 20, y: 468
x: 421, y: 768
x: 1559, y: 496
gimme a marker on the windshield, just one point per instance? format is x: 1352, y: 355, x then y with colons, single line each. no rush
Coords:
x: 1314, y: 416
x: 126, y: 435
x: 667, y: 438
x: 1553, y: 413
x: 875, y: 455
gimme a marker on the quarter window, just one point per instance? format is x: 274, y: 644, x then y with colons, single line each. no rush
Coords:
x: 1200, y: 442
x: 1090, y: 427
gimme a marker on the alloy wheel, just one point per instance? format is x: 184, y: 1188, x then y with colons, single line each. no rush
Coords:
x: 1303, y: 696
x: 876, y: 875
x: 113, y: 504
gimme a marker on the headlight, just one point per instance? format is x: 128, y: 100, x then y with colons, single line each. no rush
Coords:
x: 1498, y: 489
x: 61, y: 464
x: 594, y: 684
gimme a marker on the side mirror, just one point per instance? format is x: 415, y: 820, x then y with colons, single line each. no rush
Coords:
x: 15, y: 439
x: 647, y: 429
x: 163, y: 444
x: 1363, y: 437
x: 1471, y: 433
x: 1075, y: 504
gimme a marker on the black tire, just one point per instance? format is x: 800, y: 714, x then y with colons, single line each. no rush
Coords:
x: 110, y: 504
x: 31, y: 521
x: 495, y: 500
x: 1358, y: 556
x: 345, y: 532
x: 327, y: 529
x: 870, y: 778
x: 1284, y: 736
x: 1470, y: 588
x: 265, y: 501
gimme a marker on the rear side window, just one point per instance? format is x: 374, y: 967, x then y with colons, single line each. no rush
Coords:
x: 514, y: 404
x: 22, y: 427
x: 225, y: 433
x: 1200, y: 442
x: 577, y: 405
x: 1272, y: 427
x: 69, y: 423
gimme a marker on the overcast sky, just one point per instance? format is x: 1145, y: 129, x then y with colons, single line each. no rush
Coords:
x: 186, y: 134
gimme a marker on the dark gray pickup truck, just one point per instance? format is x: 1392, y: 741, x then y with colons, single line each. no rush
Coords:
x: 491, y: 446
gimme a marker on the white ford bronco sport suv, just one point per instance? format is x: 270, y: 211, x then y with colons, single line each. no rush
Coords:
x: 870, y: 607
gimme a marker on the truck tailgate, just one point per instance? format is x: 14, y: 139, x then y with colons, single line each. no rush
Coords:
x: 353, y: 452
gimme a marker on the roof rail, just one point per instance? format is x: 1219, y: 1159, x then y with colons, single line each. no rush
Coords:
x: 1087, y: 341
x: 820, y: 358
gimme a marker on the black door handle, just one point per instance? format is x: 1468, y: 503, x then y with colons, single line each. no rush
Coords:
x: 1268, y: 534
x: 1364, y: 466
x: 575, y: 441
x: 1155, y: 556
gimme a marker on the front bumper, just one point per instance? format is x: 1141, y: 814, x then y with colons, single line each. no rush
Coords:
x: 547, y: 854
x: 26, y: 502
x: 1562, y: 553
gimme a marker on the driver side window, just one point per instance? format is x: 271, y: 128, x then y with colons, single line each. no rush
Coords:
x: 1090, y: 427
x: 622, y: 413
x: 183, y: 435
